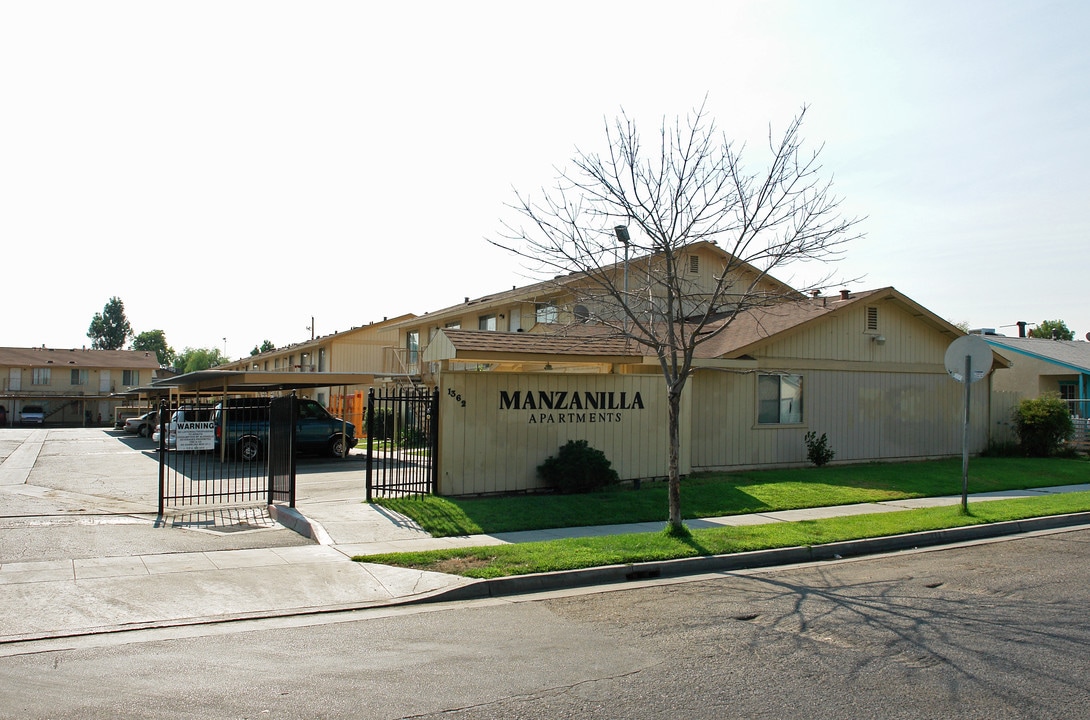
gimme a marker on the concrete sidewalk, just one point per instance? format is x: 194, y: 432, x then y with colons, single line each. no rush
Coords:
x: 83, y: 596
x: 372, y: 530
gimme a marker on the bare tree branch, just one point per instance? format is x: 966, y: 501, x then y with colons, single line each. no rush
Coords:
x: 692, y: 188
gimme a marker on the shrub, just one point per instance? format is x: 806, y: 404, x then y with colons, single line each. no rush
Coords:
x: 1043, y: 424
x: 577, y: 467
x: 413, y: 437
x: 817, y: 449
x: 1001, y: 449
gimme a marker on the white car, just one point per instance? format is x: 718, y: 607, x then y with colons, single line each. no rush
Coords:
x: 142, y: 425
x: 32, y: 415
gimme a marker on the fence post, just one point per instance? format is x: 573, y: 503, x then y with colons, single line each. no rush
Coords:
x: 370, y: 437
x: 433, y: 441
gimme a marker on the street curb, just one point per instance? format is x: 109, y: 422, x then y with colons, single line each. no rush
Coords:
x: 614, y: 574
x: 292, y: 519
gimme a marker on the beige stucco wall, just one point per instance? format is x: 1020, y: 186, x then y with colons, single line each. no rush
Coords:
x: 1030, y: 377
x: 488, y: 445
x: 63, y: 401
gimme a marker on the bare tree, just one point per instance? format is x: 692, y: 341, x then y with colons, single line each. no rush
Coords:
x: 654, y: 204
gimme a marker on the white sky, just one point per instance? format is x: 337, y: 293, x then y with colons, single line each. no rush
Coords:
x: 231, y: 169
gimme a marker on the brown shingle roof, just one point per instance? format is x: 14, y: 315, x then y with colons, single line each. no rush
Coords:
x: 744, y: 335
x: 82, y: 358
x: 587, y: 342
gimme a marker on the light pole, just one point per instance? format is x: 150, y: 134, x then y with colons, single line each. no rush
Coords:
x: 621, y: 231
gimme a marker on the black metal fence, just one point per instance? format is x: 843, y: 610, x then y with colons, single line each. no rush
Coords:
x: 196, y: 469
x: 402, y: 443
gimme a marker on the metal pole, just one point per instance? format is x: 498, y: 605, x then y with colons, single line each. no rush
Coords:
x: 621, y: 231
x: 624, y: 309
x: 162, y: 456
x: 370, y: 425
x: 965, y: 439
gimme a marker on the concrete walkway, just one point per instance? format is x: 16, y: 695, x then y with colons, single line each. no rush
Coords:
x: 373, y: 530
x: 119, y: 590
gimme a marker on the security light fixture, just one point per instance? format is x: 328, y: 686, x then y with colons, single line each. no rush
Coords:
x: 621, y: 231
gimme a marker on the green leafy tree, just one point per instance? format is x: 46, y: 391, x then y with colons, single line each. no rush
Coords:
x: 194, y: 359
x: 1043, y: 424
x: 110, y: 328
x: 1045, y: 327
x: 266, y: 346
x: 155, y: 340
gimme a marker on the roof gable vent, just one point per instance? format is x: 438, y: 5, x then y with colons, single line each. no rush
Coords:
x: 872, y: 318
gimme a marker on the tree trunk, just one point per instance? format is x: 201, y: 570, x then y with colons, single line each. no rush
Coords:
x: 674, y: 473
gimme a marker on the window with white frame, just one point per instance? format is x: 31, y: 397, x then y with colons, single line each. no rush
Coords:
x: 130, y: 378
x: 486, y: 322
x: 412, y: 346
x: 40, y: 376
x: 79, y: 377
x: 779, y: 399
x: 546, y: 313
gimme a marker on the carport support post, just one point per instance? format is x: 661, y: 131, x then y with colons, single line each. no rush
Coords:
x: 344, y: 419
x: 965, y: 439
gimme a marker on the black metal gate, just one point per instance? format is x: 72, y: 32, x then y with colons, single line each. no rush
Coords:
x: 283, y: 415
x: 196, y: 469
x: 402, y: 443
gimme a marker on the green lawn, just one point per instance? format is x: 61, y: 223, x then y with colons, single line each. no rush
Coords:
x: 575, y: 553
x: 717, y: 494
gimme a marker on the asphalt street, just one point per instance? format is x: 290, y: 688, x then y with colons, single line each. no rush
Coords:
x: 991, y: 630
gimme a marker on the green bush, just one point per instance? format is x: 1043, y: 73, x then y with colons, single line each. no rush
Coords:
x: 817, y: 449
x: 1002, y: 449
x: 577, y: 467
x: 1044, y: 425
x: 413, y: 437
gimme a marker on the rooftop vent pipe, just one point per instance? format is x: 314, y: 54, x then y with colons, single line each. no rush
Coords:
x: 1021, y: 328
x: 844, y: 295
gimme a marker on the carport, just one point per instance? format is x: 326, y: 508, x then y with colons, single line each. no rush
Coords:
x: 240, y: 382
x: 197, y: 477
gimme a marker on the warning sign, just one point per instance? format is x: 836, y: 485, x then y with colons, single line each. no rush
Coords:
x: 196, y: 436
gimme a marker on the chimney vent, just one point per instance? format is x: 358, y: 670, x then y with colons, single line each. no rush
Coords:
x: 814, y: 293
x: 1021, y: 328
x: 844, y: 295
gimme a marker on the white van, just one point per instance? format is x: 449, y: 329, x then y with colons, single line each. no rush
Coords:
x: 186, y: 413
